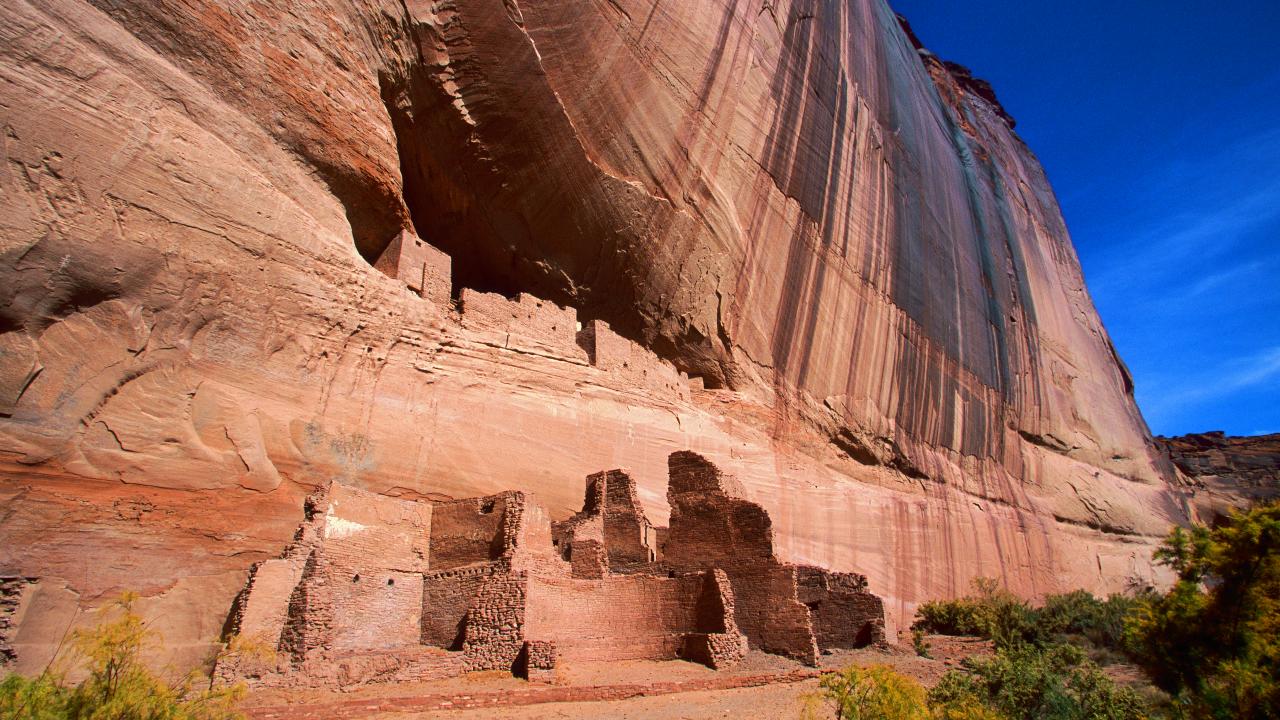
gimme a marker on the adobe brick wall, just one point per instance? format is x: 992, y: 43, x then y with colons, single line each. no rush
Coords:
x: 712, y: 527
x: 378, y: 589
x: 427, y: 270
x: 465, y: 532
x: 637, y: 366
x: 526, y: 324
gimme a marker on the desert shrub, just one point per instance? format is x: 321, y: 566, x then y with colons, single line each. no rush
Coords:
x: 1000, y: 616
x: 919, y: 643
x: 118, y: 685
x: 1050, y: 683
x: 1213, y: 639
x: 39, y: 698
x: 1080, y: 613
x: 874, y: 693
x: 991, y: 612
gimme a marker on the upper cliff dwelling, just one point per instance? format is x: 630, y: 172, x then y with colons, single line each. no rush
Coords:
x: 377, y: 589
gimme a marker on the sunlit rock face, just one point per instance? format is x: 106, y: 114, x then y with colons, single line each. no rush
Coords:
x: 1226, y: 473
x: 828, y: 264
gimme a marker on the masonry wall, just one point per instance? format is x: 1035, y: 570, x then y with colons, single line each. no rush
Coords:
x: 447, y: 595
x: 494, y: 633
x: 366, y: 530
x: 710, y: 528
x: 527, y: 324
x: 612, y: 522
x: 376, y: 609
x: 619, y: 617
x: 626, y: 530
x: 465, y: 532
x: 844, y: 614
x: 425, y: 269
x: 262, y: 609
x: 635, y: 365
x: 380, y: 588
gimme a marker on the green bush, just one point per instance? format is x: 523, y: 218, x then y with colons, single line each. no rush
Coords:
x: 919, y: 643
x: 1213, y: 640
x: 1000, y: 616
x: 991, y: 613
x: 874, y: 693
x: 1080, y: 613
x: 118, y: 686
x: 1051, y: 683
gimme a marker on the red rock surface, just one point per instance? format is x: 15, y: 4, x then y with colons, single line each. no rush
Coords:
x: 843, y: 240
x: 1227, y: 473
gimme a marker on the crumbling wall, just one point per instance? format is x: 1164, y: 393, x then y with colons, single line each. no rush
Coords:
x: 845, y: 614
x: 612, y: 522
x: 712, y: 527
x: 619, y: 617
x: 466, y: 532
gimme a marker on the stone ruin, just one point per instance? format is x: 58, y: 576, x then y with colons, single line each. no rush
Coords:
x: 380, y: 589
x: 529, y: 324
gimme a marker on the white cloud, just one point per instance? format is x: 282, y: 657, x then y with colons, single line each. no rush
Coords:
x: 1160, y: 402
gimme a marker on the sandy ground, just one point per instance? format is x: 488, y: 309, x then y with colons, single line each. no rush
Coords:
x: 774, y: 700
x: 769, y: 701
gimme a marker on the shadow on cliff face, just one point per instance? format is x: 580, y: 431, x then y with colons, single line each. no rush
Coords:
x: 446, y: 181
x: 494, y: 175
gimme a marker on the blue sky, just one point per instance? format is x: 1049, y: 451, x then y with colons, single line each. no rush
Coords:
x: 1158, y: 122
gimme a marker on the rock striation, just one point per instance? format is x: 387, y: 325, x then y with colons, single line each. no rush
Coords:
x: 1226, y: 473
x: 449, y: 249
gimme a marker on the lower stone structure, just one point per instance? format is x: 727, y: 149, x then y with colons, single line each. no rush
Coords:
x: 378, y: 589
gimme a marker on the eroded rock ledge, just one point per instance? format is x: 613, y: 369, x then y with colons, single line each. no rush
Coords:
x: 1227, y: 473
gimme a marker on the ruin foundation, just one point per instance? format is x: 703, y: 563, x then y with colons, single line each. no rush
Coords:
x: 380, y: 589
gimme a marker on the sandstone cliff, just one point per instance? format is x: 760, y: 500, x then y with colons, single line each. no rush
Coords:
x: 830, y: 265
x: 1226, y: 473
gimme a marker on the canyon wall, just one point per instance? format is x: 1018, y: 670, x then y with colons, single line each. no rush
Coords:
x: 1226, y: 473
x: 250, y: 247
